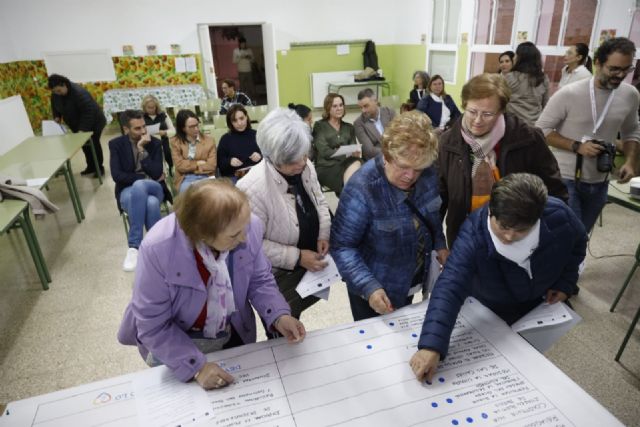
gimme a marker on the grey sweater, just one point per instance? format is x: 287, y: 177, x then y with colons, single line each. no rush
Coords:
x: 569, y: 113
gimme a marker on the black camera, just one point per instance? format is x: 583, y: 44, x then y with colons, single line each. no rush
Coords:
x: 604, y: 161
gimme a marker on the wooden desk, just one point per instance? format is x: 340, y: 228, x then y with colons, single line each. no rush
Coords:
x: 44, y: 157
x: 15, y: 214
x: 619, y: 194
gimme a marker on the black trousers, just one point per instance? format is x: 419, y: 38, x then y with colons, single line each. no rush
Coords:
x: 86, y: 149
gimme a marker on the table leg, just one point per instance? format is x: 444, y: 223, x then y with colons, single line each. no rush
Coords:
x: 73, y: 191
x: 629, y: 332
x: 34, y: 248
x: 95, y: 161
x: 636, y: 264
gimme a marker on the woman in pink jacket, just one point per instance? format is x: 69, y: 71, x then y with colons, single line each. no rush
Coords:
x: 200, y: 271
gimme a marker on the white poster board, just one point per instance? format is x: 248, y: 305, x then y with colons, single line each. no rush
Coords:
x: 82, y: 66
x: 14, y: 123
x: 350, y: 375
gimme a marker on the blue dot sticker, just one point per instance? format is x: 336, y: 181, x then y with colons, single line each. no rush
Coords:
x: 485, y: 416
x: 441, y: 379
x: 391, y: 324
x: 449, y: 400
x: 455, y: 422
x: 362, y: 331
x: 369, y: 346
x: 414, y: 335
x: 434, y: 405
x: 469, y: 420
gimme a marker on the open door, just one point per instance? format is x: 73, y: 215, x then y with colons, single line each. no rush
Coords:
x: 208, y: 70
x: 270, y: 65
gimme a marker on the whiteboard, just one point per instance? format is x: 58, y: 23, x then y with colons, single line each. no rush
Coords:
x: 14, y: 123
x: 320, y: 84
x: 82, y: 66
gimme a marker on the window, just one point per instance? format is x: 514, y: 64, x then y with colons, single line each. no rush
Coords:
x: 444, y: 38
x: 494, y: 22
x: 445, y: 21
x: 443, y: 63
x: 484, y: 62
x: 561, y: 24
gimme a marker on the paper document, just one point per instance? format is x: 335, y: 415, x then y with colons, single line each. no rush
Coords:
x: 546, y: 324
x: 543, y: 315
x: 191, y: 64
x: 36, y: 182
x: 163, y: 400
x: 346, y: 150
x: 314, y: 281
x: 181, y: 66
x: 50, y: 127
x: 153, y: 129
x: 324, y: 294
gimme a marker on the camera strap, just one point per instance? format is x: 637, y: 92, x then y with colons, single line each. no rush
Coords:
x: 578, y: 173
x: 597, y: 121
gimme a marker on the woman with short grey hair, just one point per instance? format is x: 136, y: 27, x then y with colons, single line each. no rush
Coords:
x: 285, y: 193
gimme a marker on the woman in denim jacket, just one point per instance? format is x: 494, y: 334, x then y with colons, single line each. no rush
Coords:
x: 388, y: 220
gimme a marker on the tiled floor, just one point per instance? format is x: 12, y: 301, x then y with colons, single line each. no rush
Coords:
x: 66, y: 336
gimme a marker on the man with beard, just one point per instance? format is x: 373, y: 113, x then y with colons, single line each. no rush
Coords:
x: 370, y: 125
x: 581, y: 123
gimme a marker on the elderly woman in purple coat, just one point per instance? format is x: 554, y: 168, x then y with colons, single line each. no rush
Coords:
x: 200, y: 271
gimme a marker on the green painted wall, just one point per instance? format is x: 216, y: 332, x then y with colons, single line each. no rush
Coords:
x: 398, y: 63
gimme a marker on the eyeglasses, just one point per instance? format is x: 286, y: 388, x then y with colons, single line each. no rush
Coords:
x: 620, y: 71
x: 484, y: 115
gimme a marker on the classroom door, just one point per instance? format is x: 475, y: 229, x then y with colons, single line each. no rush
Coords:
x: 247, y: 71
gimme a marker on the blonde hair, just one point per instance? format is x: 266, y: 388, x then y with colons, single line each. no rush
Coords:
x: 485, y: 86
x: 150, y: 98
x: 410, y: 138
x: 207, y: 207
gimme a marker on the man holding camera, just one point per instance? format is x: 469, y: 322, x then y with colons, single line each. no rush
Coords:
x: 581, y: 123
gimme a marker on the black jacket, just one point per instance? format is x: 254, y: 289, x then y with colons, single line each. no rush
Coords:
x: 522, y: 149
x: 78, y: 110
x: 123, y: 165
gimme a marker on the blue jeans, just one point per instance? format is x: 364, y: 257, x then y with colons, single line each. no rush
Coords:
x: 141, y: 201
x: 190, y: 179
x: 587, y: 200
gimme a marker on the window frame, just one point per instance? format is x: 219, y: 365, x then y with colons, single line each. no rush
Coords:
x: 444, y: 47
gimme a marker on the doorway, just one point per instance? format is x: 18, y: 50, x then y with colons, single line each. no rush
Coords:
x: 238, y: 54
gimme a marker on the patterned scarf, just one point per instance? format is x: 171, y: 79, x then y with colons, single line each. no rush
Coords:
x: 220, y: 302
x: 484, y: 171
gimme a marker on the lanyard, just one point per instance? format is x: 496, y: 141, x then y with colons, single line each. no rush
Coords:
x: 597, y: 121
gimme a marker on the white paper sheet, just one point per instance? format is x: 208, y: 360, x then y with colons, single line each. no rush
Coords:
x: 342, y: 49
x: 544, y: 335
x: 541, y: 316
x: 181, y: 65
x: 316, y: 281
x: 358, y: 374
x: 51, y: 127
x: 191, y: 64
x: 346, y: 150
x: 36, y: 182
x: 153, y: 129
x: 162, y: 400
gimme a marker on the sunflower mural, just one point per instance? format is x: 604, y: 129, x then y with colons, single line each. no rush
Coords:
x: 29, y: 79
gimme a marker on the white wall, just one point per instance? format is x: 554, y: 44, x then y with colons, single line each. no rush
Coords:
x: 38, y: 26
x: 7, y: 52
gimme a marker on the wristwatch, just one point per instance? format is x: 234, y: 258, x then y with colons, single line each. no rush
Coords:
x: 575, y: 146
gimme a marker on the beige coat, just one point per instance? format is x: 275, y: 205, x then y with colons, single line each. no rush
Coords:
x: 205, y: 150
x: 267, y: 191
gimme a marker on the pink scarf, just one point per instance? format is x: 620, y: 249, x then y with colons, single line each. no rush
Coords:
x: 482, y: 146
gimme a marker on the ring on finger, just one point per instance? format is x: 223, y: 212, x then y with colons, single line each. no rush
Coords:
x: 221, y: 382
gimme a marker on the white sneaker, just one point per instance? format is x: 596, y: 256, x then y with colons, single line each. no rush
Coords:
x: 131, y: 260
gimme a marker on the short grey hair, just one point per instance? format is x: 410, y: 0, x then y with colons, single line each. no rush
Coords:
x: 283, y: 137
x: 366, y: 93
x: 518, y: 200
